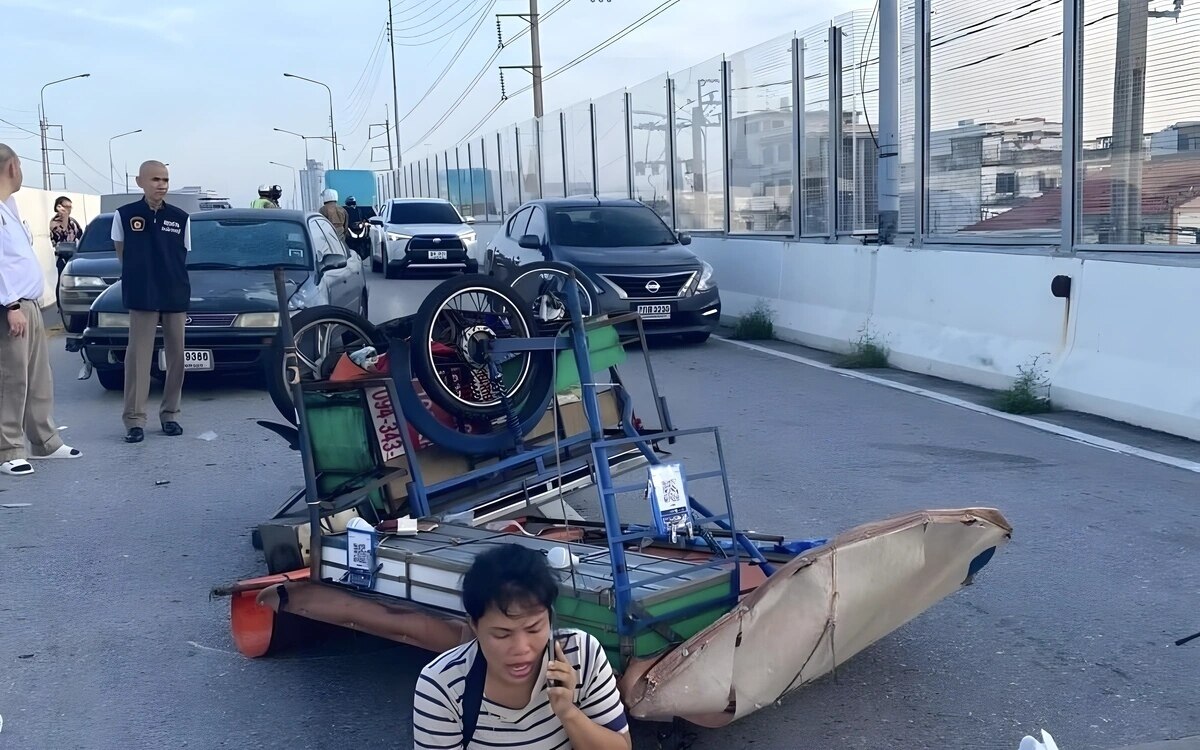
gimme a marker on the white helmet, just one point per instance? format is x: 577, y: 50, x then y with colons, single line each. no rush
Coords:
x: 329, y: 194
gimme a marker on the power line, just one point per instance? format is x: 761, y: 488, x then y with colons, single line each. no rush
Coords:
x: 446, y: 7
x: 461, y: 48
x: 370, y: 63
x: 419, y: 13
x: 18, y: 127
x: 462, y: 97
x: 455, y: 28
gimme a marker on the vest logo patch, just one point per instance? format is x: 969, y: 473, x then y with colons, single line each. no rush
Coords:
x: 171, y: 226
x: 137, y: 223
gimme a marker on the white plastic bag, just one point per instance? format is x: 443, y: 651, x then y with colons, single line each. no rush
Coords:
x: 1047, y: 743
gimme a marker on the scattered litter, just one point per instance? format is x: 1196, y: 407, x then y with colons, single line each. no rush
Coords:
x: 161, y: 482
x: 63, y: 427
x: 25, y: 656
x: 85, y: 372
x: 1, y: 723
x: 16, y: 505
x: 207, y: 436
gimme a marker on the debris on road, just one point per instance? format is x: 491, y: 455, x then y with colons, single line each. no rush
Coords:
x: 207, y: 436
x: 16, y: 505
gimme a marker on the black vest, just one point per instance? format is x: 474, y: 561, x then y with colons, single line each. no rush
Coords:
x: 154, y: 272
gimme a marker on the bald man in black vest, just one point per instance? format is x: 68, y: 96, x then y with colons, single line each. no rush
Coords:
x: 152, y: 239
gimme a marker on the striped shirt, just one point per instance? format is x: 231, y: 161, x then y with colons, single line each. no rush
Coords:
x: 438, y: 702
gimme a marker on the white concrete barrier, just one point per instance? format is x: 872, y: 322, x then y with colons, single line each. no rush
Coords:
x: 1124, y: 346
x: 37, y: 209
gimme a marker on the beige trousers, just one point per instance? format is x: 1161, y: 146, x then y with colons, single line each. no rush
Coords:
x: 142, y: 325
x: 26, y: 389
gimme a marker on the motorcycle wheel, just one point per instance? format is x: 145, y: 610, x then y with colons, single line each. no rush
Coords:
x: 321, y: 335
x: 449, y: 356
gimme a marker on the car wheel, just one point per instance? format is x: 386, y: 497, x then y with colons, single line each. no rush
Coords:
x: 111, y: 380
x: 696, y: 337
x: 321, y: 335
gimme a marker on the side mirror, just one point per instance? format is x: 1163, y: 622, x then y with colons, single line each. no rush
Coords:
x: 376, y: 220
x: 530, y: 242
x: 65, y: 250
x: 685, y: 238
x: 332, y: 262
x: 469, y: 220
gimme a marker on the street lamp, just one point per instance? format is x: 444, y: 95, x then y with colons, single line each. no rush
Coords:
x: 111, y: 170
x: 45, y: 126
x: 332, y: 131
x: 294, y: 188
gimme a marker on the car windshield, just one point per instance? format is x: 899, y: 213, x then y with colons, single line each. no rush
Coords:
x: 249, y: 243
x: 608, y: 226
x: 424, y: 213
x: 97, y: 238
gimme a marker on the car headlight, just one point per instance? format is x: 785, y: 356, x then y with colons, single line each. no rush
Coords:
x: 83, y: 282
x: 396, y: 237
x: 112, y: 320
x: 468, y: 237
x: 706, y: 278
x: 257, y: 320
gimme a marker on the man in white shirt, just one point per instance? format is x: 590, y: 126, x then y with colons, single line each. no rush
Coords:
x: 26, y: 385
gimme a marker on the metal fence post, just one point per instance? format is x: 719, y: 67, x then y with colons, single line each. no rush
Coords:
x: 921, y: 126
x: 672, y: 158
x: 629, y: 144
x: 562, y: 147
x: 502, y: 206
x: 520, y: 176
x: 595, y: 147
x: 726, y: 150
x: 798, y: 201
x: 1071, y: 127
x: 835, y: 127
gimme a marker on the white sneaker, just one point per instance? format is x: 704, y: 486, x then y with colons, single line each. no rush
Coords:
x: 18, y: 467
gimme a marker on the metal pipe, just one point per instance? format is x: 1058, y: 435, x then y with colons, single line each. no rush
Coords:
x: 332, y: 130
x: 112, y: 183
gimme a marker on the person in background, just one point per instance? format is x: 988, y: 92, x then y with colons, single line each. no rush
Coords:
x: 504, y: 689
x: 264, y: 198
x: 26, y: 383
x: 152, y: 239
x: 63, y: 227
x: 332, y: 211
x: 276, y: 195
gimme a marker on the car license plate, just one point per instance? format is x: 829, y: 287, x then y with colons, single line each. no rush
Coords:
x: 437, y: 255
x: 654, y: 312
x: 193, y: 359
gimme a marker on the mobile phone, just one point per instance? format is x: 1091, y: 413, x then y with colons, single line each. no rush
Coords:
x: 550, y: 647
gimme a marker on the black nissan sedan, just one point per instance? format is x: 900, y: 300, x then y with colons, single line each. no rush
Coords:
x: 632, y: 261
x: 234, y: 315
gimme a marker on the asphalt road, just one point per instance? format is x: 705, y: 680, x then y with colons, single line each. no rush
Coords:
x: 108, y: 638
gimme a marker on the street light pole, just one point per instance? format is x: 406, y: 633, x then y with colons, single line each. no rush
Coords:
x: 294, y: 188
x: 111, y: 171
x: 45, y: 125
x: 332, y: 130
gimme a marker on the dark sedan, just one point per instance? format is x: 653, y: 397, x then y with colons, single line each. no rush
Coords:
x: 91, y: 268
x: 633, y: 262
x: 234, y: 315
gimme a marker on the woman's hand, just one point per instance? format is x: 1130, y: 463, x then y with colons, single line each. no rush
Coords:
x: 562, y: 696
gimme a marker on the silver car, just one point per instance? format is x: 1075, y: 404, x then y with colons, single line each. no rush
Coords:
x: 423, y: 233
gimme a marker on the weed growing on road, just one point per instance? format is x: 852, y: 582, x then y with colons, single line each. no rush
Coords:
x: 865, y: 353
x: 756, y: 324
x: 1029, y: 393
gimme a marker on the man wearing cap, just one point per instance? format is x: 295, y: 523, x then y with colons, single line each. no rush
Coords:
x: 26, y: 385
x: 152, y: 239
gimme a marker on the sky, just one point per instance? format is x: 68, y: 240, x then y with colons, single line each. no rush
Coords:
x: 205, y: 84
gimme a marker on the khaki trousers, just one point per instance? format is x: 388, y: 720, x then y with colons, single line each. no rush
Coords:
x: 142, y: 325
x: 26, y: 389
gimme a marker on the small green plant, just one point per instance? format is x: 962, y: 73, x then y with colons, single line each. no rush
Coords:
x: 865, y: 353
x: 1029, y: 393
x: 756, y: 324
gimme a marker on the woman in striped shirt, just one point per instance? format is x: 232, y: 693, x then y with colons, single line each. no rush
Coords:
x: 503, y: 689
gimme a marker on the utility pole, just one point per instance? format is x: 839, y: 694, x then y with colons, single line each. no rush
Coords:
x: 535, y: 66
x: 536, y: 45
x: 395, y: 93
x: 1129, y: 115
x: 385, y: 125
